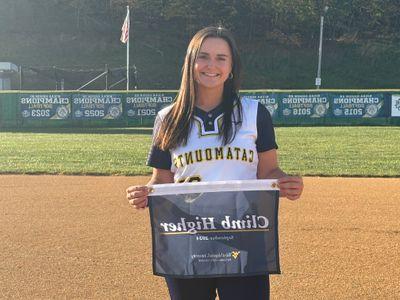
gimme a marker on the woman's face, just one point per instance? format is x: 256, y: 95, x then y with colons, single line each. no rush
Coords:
x: 213, y: 64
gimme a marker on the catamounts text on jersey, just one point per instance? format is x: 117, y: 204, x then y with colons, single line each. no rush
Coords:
x: 216, y: 153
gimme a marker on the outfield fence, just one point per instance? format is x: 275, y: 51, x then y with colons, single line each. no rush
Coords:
x: 25, y: 109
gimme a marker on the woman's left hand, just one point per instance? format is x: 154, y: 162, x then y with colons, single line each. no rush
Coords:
x: 290, y: 187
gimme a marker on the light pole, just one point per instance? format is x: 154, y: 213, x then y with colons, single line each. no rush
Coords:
x: 321, y: 31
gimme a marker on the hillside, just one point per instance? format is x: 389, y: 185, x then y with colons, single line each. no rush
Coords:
x: 39, y: 37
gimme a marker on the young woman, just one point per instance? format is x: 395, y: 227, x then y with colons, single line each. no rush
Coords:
x: 209, y: 134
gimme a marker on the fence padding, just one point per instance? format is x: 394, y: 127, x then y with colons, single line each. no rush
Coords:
x: 138, y: 108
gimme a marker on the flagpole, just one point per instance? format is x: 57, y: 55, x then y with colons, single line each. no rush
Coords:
x: 127, y: 49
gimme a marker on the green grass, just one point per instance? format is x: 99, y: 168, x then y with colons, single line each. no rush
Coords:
x: 340, y: 151
x: 315, y: 151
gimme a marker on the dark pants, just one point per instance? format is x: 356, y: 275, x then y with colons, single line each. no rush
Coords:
x: 229, y: 288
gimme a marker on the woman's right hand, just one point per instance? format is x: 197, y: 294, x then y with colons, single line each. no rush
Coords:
x: 137, y: 196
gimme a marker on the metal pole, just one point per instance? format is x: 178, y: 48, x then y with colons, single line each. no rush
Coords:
x: 94, y: 79
x: 116, y: 83
x: 106, y: 70
x: 135, y: 76
x: 321, y: 32
x: 318, y: 79
x: 55, y: 76
x: 127, y: 49
x: 20, y: 78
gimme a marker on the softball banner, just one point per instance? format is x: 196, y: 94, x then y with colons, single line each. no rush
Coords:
x: 97, y: 106
x: 304, y: 105
x: 358, y: 105
x: 45, y: 106
x: 147, y: 104
x: 215, y: 229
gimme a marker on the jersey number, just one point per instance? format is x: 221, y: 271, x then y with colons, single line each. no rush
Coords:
x: 190, y: 179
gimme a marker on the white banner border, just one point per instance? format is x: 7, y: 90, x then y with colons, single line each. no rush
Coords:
x: 214, y: 186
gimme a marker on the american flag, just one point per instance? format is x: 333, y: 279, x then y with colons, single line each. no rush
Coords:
x: 125, y: 29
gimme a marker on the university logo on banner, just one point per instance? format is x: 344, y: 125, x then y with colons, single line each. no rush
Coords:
x: 214, y: 229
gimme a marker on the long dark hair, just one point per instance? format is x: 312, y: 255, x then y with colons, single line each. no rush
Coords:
x: 175, y: 128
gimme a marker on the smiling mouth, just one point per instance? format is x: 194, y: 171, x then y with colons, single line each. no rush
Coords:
x: 210, y: 74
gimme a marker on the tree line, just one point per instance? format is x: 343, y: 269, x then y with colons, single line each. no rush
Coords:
x: 296, y: 21
x: 369, y: 28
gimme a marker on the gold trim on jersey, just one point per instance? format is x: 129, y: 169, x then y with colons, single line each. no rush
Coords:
x: 202, y: 130
x: 217, y: 124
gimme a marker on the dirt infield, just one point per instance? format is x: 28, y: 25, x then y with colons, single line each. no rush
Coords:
x: 77, y: 237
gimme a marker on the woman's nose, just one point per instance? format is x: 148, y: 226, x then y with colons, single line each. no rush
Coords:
x: 210, y: 63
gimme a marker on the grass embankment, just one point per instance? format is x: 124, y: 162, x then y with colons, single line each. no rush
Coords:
x: 313, y: 151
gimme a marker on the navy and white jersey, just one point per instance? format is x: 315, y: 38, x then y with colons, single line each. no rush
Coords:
x: 205, y: 158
